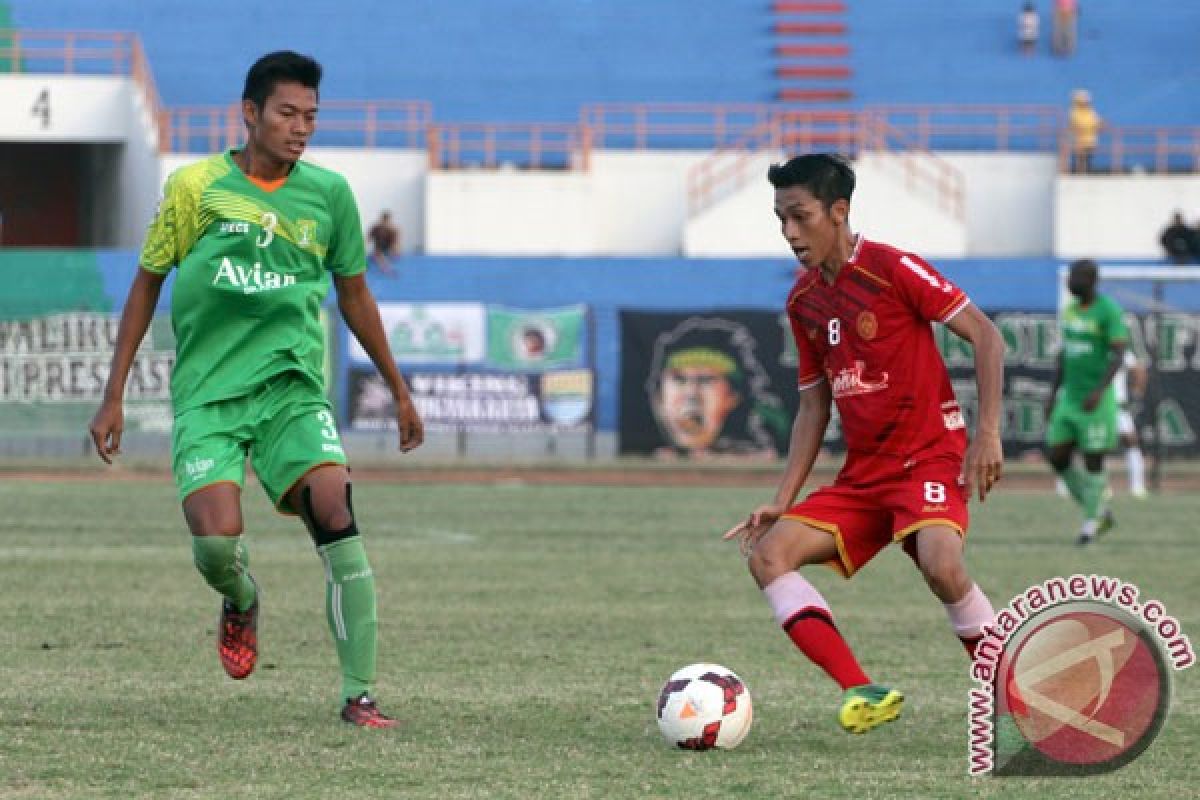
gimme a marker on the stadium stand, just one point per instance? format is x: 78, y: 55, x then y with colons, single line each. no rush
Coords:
x: 481, y: 60
x: 507, y: 60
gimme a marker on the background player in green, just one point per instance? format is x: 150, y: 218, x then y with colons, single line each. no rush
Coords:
x: 1084, y: 414
x: 255, y: 234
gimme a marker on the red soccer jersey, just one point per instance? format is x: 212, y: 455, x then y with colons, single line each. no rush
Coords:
x: 868, y: 334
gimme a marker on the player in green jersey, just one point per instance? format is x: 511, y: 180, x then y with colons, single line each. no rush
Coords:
x: 254, y: 235
x: 1084, y: 414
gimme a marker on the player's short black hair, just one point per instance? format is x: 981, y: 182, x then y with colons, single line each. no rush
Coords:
x: 827, y: 176
x: 282, y: 66
x: 1085, y: 265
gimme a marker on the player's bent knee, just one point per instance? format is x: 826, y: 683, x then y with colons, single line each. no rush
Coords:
x: 333, y: 524
x: 946, y: 576
x: 212, y: 521
x: 787, y: 547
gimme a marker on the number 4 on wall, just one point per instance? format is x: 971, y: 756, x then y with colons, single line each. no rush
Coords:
x: 41, y: 108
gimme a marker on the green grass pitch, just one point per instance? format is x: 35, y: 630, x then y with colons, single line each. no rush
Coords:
x: 525, y: 632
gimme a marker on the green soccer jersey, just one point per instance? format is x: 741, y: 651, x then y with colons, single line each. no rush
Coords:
x: 253, y: 271
x: 1088, y: 335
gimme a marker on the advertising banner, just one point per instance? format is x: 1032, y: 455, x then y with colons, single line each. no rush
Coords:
x: 53, y: 369
x: 705, y: 385
x: 535, y: 340
x: 480, y: 402
x: 722, y: 383
x: 430, y: 333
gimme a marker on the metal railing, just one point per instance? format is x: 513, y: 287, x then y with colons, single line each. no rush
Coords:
x: 850, y: 133
x: 84, y: 53
x: 516, y: 145
x: 1138, y: 149
x: 687, y: 126
x: 726, y: 128
x: 351, y: 123
x: 729, y: 168
x: 1022, y: 128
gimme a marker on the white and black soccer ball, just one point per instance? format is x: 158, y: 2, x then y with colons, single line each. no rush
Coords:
x: 703, y: 706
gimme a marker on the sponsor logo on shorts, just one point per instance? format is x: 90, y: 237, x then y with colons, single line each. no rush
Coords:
x: 198, y: 467
x: 1074, y: 679
x: 326, y: 447
x: 929, y: 508
x: 952, y: 416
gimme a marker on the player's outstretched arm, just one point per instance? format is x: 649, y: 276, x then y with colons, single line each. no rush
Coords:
x: 358, y: 308
x: 984, y: 461
x: 109, y: 421
x: 808, y: 431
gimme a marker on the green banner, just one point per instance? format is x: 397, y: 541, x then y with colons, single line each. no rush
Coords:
x: 533, y: 341
x: 38, y: 282
x: 7, y: 63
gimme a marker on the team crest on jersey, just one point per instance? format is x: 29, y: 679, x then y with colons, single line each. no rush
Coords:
x: 307, y: 232
x: 850, y: 381
x: 867, y: 325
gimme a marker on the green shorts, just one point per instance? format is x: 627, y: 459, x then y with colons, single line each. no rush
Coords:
x: 1091, y: 431
x: 285, y: 426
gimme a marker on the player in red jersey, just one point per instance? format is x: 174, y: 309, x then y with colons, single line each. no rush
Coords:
x: 861, y: 314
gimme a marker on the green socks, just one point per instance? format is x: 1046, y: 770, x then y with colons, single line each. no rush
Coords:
x: 1087, y: 488
x: 1094, y: 485
x: 223, y: 561
x: 349, y: 597
x: 350, y: 608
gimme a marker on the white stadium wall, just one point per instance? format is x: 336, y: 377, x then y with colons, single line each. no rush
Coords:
x: 635, y: 203
x: 1009, y: 202
x: 506, y: 212
x: 883, y: 208
x: 741, y: 224
x: 100, y: 110
x: 70, y: 108
x: 1120, y: 216
x: 627, y: 203
x: 382, y: 180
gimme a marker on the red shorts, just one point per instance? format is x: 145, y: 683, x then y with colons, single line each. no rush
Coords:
x: 867, y: 518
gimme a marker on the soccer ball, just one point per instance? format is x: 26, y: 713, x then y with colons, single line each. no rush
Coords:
x: 703, y: 706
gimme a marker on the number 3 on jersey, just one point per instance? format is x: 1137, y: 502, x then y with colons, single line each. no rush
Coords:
x: 269, y: 223
x: 835, y: 331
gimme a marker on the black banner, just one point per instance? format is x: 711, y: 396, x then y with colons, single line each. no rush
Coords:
x: 722, y: 383
x: 718, y: 384
x: 1031, y: 352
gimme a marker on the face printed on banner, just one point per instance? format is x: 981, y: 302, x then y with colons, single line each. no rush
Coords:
x: 697, y: 396
x: 709, y: 392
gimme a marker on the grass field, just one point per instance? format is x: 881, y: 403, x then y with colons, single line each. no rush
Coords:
x: 525, y: 632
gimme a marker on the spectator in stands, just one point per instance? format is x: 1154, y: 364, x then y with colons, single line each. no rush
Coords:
x: 1028, y: 24
x: 385, y: 243
x: 1085, y: 126
x: 1181, y: 243
x: 1066, y: 26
